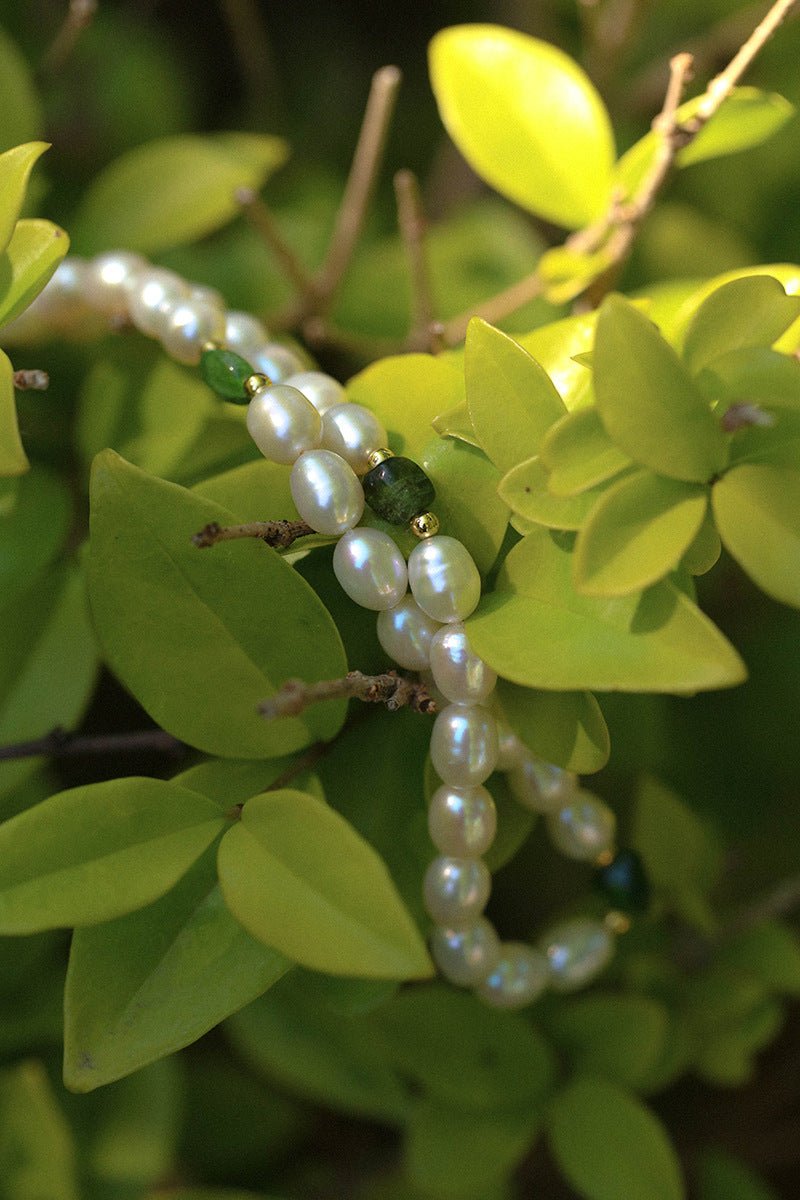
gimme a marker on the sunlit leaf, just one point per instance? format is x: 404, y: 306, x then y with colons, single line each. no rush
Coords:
x: 579, y: 454
x: 30, y: 258
x: 757, y: 510
x: 13, y: 459
x: 525, y: 490
x: 15, y: 169
x: 745, y: 313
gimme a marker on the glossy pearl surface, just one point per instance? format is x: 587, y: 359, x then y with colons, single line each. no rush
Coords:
x: 406, y: 632
x: 519, y: 977
x: 458, y: 672
x: 244, y: 333
x: 462, y: 821
x: 326, y: 492
x: 466, y: 956
x: 456, y: 890
x: 282, y: 423
x: 583, y: 828
x: 322, y: 390
x: 151, y: 293
x: 577, y: 951
x: 352, y: 431
x: 185, y: 327
x: 444, y: 579
x: 464, y: 745
x: 107, y: 278
x: 277, y: 362
x: 510, y: 750
x: 542, y: 787
x: 370, y: 568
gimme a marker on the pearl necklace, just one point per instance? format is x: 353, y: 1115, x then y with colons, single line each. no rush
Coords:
x: 339, y: 461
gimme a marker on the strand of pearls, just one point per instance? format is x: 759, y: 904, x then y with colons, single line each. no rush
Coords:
x: 339, y: 462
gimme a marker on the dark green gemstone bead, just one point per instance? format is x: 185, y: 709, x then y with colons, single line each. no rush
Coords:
x: 624, y: 882
x: 225, y: 373
x: 398, y: 490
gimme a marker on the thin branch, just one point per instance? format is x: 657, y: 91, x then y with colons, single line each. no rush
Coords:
x: 723, y: 84
x: 391, y: 689
x: 783, y: 899
x: 59, y: 743
x: 256, y: 60
x: 280, y: 534
x: 413, y: 228
x: 262, y: 220
x: 79, y: 17
x: 31, y: 381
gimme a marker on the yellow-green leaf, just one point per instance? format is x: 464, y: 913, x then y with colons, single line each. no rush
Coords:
x: 15, y: 168
x: 579, y: 454
x: 566, y: 728
x: 30, y: 258
x: 524, y: 489
x: 757, y: 510
x: 13, y: 459
x: 745, y: 313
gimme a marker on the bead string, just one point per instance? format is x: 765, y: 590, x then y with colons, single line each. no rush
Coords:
x: 336, y: 450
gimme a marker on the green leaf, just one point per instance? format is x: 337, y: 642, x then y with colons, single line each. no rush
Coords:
x: 620, y: 1037
x: 757, y: 510
x: 35, y: 514
x: 93, y: 853
x: 524, y: 115
x: 733, y: 1018
x: 37, y: 1156
x: 456, y: 423
x: 704, y: 551
x: 30, y: 258
x: 153, y: 981
x: 637, y: 533
x: 754, y: 375
x: 743, y: 314
x: 198, y: 653
x: 724, y: 1178
x: 648, y: 402
x: 769, y: 951
x: 786, y: 273
x: 557, y: 347
x: 609, y: 1145
x: 172, y: 191
x: 525, y: 490
x: 15, y: 169
x: 536, y: 630
x: 580, y: 455
x: 511, y: 400
x: 566, y: 728
x: 300, y: 879
x: 13, y: 459
x: 776, y: 445
x: 228, y: 781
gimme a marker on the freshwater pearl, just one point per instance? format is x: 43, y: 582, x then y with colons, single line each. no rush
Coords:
x: 456, y: 890
x: 542, y: 787
x: 511, y: 752
x: 462, y: 821
x: 203, y: 294
x: 464, y: 745
x: 458, y: 672
x: 282, y: 423
x: 466, y: 956
x: 151, y: 293
x: 577, y: 950
x: 277, y: 362
x: 352, y: 431
x: 406, y: 632
x: 370, y: 568
x: 326, y: 492
x: 107, y: 279
x: 444, y: 579
x: 244, y: 334
x: 519, y: 977
x: 185, y: 328
x: 583, y: 828
x: 323, y: 391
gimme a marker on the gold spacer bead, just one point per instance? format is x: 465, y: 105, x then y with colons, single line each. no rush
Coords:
x: 605, y: 859
x: 207, y: 347
x: 617, y: 922
x: 424, y: 525
x: 254, y: 383
x: 376, y: 457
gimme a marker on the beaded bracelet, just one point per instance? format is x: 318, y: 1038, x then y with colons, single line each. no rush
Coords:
x: 339, y: 462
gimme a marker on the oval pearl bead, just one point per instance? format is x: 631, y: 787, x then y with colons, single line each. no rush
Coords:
x: 456, y: 890
x: 326, y: 492
x: 466, y: 956
x: 151, y: 293
x: 519, y: 977
x: 444, y: 579
x: 244, y: 334
x: 185, y: 327
x: 277, y: 362
x: 282, y: 423
x: 464, y: 745
x: 107, y: 279
x: 322, y: 390
x: 577, y: 950
x: 370, y: 568
x: 583, y: 828
x: 352, y: 431
x: 510, y: 750
x: 458, y: 672
x: 542, y: 787
x: 406, y: 632
x: 462, y: 821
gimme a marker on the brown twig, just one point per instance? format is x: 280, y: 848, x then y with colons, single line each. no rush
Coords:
x: 783, y: 899
x: 413, y: 228
x: 78, y: 17
x: 279, y: 534
x: 262, y: 220
x: 391, y: 689
x: 59, y: 743
x: 31, y: 381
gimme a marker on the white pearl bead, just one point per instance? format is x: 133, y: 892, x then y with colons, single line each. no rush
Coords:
x: 203, y: 294
x: 577, y: 950
x: 583, y: 828
x: 322, y: 390
x: 464, y: 745
x: 326, y: 492
x: 152, y: 292
x: 466, y: 956
x: 519, y: 977
x: 187, y: 325
x: 282, y: 423
x: 511, y: 752
x: 444, y: 579
x: 352, y: 431
x: 542, y: 787
x: 456, y: 890
x: 458, y: 672
x: 277, y: 362
x: 462, y: 821
x: 107, y: 279
x: 406, y: 632
x: 370, y: 568
x: 244, y: 334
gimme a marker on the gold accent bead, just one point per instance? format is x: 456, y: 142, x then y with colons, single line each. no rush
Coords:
x: 255, y: 382
x: 207, y: 347
x: 605, y: 859
x: 425, y: 525
x: 376, y: 457
x: 616, y: 922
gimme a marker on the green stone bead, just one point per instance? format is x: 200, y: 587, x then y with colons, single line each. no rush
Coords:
x: 398, y: 490
x: 225, y: 373
x: 624, y: 882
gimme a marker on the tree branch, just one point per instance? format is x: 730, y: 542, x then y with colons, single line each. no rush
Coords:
x: 279, y: 534
x: 413, y: 227
x: 262, y: 220
x: 391, y: 689
x: 31, y: 381
x: 79, y: 17
x: 59, y: 743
